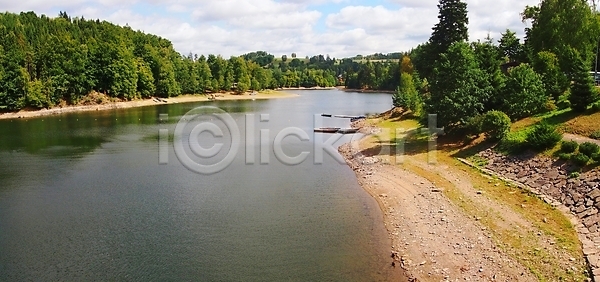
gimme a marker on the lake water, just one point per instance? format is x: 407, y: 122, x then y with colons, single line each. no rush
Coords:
x: 83, y: 197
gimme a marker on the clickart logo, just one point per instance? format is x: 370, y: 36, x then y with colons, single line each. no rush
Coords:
x: 207, y: 140
x: 194, y: 120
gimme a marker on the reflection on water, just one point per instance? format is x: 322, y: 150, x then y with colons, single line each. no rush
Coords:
x: 83, y: 197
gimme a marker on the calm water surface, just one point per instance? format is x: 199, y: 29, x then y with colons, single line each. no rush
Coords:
x: 82, y: 196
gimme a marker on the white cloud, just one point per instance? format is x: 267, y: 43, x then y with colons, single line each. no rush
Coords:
x: 233, y: 27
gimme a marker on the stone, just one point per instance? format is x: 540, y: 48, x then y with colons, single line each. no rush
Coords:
x: 594, y: 194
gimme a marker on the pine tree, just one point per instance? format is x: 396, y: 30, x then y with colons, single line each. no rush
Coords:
x: 452, y: 27
x: 456, y: 95
x: 582, y: 89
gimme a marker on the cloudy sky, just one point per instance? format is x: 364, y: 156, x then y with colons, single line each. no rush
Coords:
x: 340, y: 28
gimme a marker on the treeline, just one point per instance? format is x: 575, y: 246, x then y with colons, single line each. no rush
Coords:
x: 464, y: 82
x: 48, y: 61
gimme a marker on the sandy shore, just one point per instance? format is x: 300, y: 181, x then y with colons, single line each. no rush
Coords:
x: 142, y: 103
x: 365, y: 90
x: 432, y: 239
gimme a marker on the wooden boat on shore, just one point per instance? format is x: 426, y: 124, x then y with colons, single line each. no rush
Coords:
x: 327, y: 129
x: 347, y: 130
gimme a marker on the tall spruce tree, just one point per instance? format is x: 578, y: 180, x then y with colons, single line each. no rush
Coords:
x: 452, y: 27
x: 582, y: 89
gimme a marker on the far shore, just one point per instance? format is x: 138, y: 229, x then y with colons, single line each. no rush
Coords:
x: 145, y: 102
x: 308, y: 88
x: 365, y: 90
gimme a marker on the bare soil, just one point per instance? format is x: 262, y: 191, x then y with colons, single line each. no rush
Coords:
x: 432, y: 239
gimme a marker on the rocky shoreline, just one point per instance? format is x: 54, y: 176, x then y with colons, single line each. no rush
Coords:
x: 557, y: 183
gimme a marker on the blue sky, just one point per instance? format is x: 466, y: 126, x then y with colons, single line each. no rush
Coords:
x: 339, y: 28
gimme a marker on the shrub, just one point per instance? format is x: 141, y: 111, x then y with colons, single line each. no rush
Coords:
x: 543, y: 136
x: 595, y: 135
x: 495, y: 125
x: 574, y: 174
x: 596, y: 157
x: 580, y: 159
x: 596, y: 107
x: 550, y: 106
x: 569, y: 146
x: 563, y: 104
x: 564, y: 156
x: 513, y: 142
x: 523, y: 93
x: 589, y: 149
x: 473, y: 126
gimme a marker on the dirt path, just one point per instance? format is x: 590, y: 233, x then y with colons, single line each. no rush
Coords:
x: 433, y: 240
x: 579, y: 139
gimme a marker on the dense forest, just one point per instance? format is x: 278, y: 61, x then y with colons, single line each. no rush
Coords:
x: 46, y: 62
x: 466, y: 83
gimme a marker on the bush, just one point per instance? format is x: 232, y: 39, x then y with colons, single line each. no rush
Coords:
x: 563, y: 104
x: 580, y: 159
x: 569, y: 146
x: 596, y: 107
x: 595, y: 135
x: 574, y: 174
x: 589, y: 149
x: 564, y: 156
x: 474, y: 124
x: 513, y: 142
x: 495, y: 125
x: 543, y: 136
x: 596, y: 157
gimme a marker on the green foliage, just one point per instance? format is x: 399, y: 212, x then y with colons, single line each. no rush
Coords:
x: 596, y: 106
x: 145, y: 80
x: 580, y: 159
x: 596, y: 157
x: 595, y: 135
x: 474, y: 125
x: 574, y: 175
x: 523, y: 94
x: 495, y: 125
x: 543, y: 136
x: 582, y: 89
x: 451, y: 28
x: 589, y: 148
x: 489, y: 57
x: 37, y: 95
x: 569, y: 146
x: 549, y: 33
x: 510, y: 47
x: 407, y: 96
x: 563, y: 104
x: 555, y: 81
x: 456, y: 95
x: 514, y: 142
x: 564, y: 156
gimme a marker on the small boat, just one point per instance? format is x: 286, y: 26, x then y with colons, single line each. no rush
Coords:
x: 327, y: 129
x: 347, y: 130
